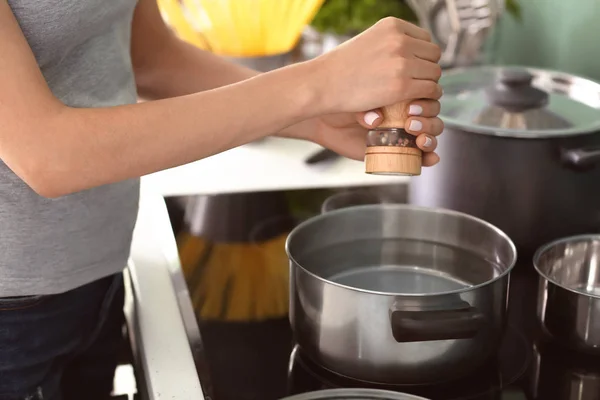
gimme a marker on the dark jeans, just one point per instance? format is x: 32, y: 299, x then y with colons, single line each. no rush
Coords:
x: 62, y: 347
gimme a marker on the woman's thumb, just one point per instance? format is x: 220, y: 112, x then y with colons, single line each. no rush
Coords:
x: 369, y: 119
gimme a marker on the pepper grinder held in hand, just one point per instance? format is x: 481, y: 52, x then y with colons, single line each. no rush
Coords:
x: 390, y: 149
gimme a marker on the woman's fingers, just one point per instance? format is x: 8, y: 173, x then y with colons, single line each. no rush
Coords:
x: 426, y: 129
x: 418, y: 125
x: 423, y: 89
x: 422, y: 69
x: 430, y: 159
x: 370, y: 119
x: 411, y: 30
x: 426, y: 126
x: 427, y: 143
x: 425, y: 50
x: 423, y: 108
x: 418, y: 109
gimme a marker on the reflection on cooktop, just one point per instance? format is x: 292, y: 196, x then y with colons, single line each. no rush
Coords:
x: 561, y: 374
x: 513, y: 359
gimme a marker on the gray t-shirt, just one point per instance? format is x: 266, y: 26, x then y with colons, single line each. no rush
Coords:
x: 49, y: 246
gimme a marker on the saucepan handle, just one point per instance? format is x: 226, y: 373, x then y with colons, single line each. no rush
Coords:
x: 581, y: 159
x: 462, y: 322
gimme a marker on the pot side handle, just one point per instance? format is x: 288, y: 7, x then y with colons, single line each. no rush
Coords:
x: 581, y: 159
x: 421, y: 326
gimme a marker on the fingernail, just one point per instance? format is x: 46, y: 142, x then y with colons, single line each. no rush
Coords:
x: 415, y: 125
x: 428, y: 142
x: 415, y: 109
x: 371, y: 117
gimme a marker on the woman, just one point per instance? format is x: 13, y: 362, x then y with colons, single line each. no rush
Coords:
x: 74, y: 140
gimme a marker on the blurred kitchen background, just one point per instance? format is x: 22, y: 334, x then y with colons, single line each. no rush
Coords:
x: 231, y: 227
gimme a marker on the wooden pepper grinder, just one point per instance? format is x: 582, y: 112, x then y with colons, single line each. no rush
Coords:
x: 390, y: 149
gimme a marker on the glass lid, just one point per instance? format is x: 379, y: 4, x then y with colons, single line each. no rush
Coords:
x: 519, y: 102
x: 355, y: 394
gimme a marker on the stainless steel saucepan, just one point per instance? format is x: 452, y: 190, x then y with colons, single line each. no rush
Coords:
x: 354, y: 394
x: 393, y: 293
x: 569, y: 291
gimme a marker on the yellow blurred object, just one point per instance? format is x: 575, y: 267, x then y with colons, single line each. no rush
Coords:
x: 236, y: 281
x: 176, y: 19
x: 241, y: 28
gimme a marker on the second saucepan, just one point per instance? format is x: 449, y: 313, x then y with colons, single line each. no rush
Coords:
x: 398, y: 294
x: 569, y: 291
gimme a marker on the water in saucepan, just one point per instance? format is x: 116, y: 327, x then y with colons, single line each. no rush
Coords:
x: 400, y: 266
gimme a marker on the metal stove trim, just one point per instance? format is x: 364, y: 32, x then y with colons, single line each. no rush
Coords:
x: 163, y: 329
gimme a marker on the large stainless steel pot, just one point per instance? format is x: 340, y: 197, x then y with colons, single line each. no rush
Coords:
x: 397, y: 293
x: 569, y: 291
x: 521, y: 150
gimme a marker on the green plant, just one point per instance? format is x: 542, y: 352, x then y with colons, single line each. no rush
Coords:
x: 514, y: 8
x: 349, y: 17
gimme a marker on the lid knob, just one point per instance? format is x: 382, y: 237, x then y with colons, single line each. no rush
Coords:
x: 513, y: 91
x: 516, y: 77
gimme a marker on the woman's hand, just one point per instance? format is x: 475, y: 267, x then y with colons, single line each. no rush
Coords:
x: 391, y: 62
x: 345, y: 133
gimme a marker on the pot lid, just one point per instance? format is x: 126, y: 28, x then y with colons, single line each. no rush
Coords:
x: 519, y: 102
x: 355, y: 394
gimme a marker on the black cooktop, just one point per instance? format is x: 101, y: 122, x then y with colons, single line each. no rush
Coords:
x: 260, y: 361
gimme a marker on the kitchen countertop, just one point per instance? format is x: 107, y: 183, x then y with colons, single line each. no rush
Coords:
x: 267, y: 165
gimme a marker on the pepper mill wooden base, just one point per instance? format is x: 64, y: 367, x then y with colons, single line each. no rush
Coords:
x: 390, y: 160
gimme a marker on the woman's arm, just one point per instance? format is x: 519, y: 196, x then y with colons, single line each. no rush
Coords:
x: 59, y: 150
x: 166, y: 66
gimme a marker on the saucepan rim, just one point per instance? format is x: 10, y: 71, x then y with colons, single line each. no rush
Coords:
x: 544, y: 248
x: 350, y: 393
x: 329, y: 214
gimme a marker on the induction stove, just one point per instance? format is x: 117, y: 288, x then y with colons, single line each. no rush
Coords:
x: 264, y: 363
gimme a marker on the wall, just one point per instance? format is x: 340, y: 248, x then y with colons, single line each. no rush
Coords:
x: 556, y: 34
